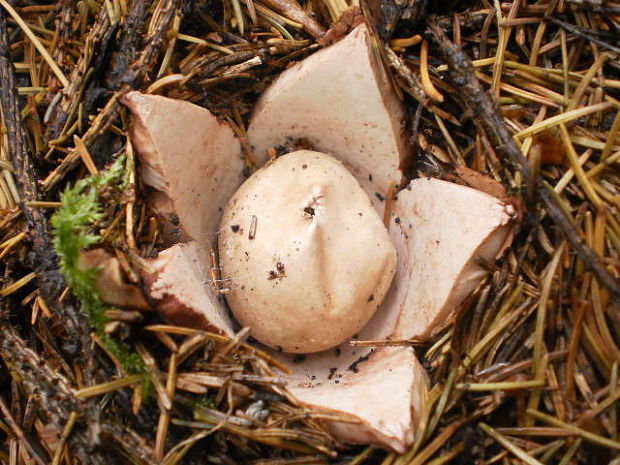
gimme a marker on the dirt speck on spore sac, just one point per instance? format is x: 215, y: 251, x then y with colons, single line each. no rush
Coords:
x: 278, y: 273
x: 354, y: 367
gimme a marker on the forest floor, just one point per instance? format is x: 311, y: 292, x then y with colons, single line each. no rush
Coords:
x: 526, y: 92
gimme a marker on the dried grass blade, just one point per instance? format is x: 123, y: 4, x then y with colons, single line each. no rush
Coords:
x: 9, y: 244
x: 571, y: 452
x: 430, y: 398
x: 563, y: 118
x: 447, y: 457
x: 219, y: 338
x: 17, y: 432
x: 238, y: 16
x: 501, y: 386
x: 66, y: 432
x: 110, y: 386
x: 614, y: 393
x: 291, y: 10
x: 164, y: 82
x: 164, y: 416
x: 43, y: 204
x: 567, y: 177
x: 435, y: 444
x: 85, y: 155
x: 504, y: 32
x: 539, y: 362
x: 613, y: 135
x: 535, y: 431
x: 517, y: 451
x: 205, y: 43
x: 11, y: 288
x: 586, y: 80
x: 587, y: 435
x: 251, y: 11
x: 573, y: 159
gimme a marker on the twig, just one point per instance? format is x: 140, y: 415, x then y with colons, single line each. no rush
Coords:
x: 133, y: 77
x: 67, y: 105
x: 51, y: 390
x: 581, y: 33
x: 64, y: 22
x: 34, y: 449
x: 50, y: 281
x: 129, y: 45
x: 91, y: 437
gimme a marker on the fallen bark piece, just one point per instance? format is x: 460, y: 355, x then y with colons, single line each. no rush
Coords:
x: 375, y: 396
x: 442, y: 230
x: 178, y: 282
x: 306, y: 255
x: 190, y: 161
x: 472, y: 178
x: 340, y: 100
x: 110, y: 281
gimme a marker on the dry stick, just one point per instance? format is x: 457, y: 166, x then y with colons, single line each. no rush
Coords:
x: 68, y: 99
x: 580, y: 32
x: 34, y: 448
x: 50, y: 389
x: 65, y: 16
x: 55, y: 396
x: 50, y: 281
x: 487, y: 115
x: 133, y: 77
x: 130, y: 44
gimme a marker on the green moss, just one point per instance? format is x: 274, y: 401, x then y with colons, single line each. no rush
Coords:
x: 74, y: 229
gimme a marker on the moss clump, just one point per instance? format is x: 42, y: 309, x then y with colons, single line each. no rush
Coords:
x: 74, y: 230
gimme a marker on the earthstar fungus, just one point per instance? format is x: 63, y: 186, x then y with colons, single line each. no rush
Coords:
x: 192, y: 166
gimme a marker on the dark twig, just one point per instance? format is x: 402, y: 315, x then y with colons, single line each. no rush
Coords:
x: 487, y: 115
x: 44, y: 261
x: 134, y: 77
x: 51, y: 390
x: 581, y: 32
x: 94, y: 46
x: 55, y: 395
x: 595, y: 6
x: 129, y: 45
x: 64, y: 22
x: 226, y: 60
x: 33, y: 447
